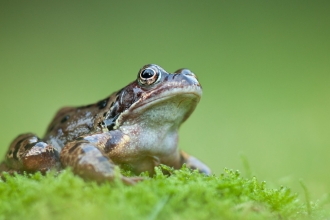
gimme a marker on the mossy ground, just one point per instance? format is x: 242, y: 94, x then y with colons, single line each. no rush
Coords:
x: 183, y: 195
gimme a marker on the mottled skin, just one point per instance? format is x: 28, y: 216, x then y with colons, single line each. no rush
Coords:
x: 135, y: 128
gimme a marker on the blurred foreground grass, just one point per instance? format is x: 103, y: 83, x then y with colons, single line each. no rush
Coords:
x: 183, y: 195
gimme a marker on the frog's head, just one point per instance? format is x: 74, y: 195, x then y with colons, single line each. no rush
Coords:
x: 155, y: 99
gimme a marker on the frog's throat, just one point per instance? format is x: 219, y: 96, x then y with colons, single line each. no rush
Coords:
x: 192, y: 93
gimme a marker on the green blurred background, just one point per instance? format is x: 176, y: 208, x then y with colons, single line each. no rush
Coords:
x: 264, y: 67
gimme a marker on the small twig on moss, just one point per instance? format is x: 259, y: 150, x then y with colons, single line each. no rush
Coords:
x: 308, y: 203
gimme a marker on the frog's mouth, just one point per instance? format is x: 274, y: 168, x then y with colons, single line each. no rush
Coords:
x: 147, y: 100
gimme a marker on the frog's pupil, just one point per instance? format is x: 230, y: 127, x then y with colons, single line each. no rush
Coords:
x: 147, y: 73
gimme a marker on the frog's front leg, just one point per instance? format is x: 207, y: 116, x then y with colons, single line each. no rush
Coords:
x: 29, y: 153
x: 87, y: 157
x: 193, y: 163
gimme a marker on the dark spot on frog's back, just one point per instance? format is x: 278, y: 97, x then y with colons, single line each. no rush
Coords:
x: 65, y: 118
x: 103, y: 103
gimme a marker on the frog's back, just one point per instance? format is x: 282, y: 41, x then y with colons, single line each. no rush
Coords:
x: 72, y: 122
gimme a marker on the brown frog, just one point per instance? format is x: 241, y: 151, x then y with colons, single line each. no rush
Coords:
x: 135, y: 128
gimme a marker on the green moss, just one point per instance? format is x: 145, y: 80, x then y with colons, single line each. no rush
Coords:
x: 183, y: 195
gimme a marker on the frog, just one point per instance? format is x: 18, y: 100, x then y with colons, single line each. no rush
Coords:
x: 135, y: 129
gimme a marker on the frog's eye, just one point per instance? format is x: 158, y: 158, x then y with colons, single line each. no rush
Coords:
x: 149, y: 76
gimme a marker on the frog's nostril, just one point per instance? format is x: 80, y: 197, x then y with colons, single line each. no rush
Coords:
x: 187, y: 72
x: 190, y: 74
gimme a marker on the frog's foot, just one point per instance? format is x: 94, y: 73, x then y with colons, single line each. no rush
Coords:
x: 193, y: 163
x: 28, y: 153
x: 87, y: 159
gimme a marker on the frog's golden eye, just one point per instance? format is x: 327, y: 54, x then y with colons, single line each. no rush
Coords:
x: 149, y: 76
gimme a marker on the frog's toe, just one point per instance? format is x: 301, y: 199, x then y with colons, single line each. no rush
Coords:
x: 195, y: 164
x: 131, y: 180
